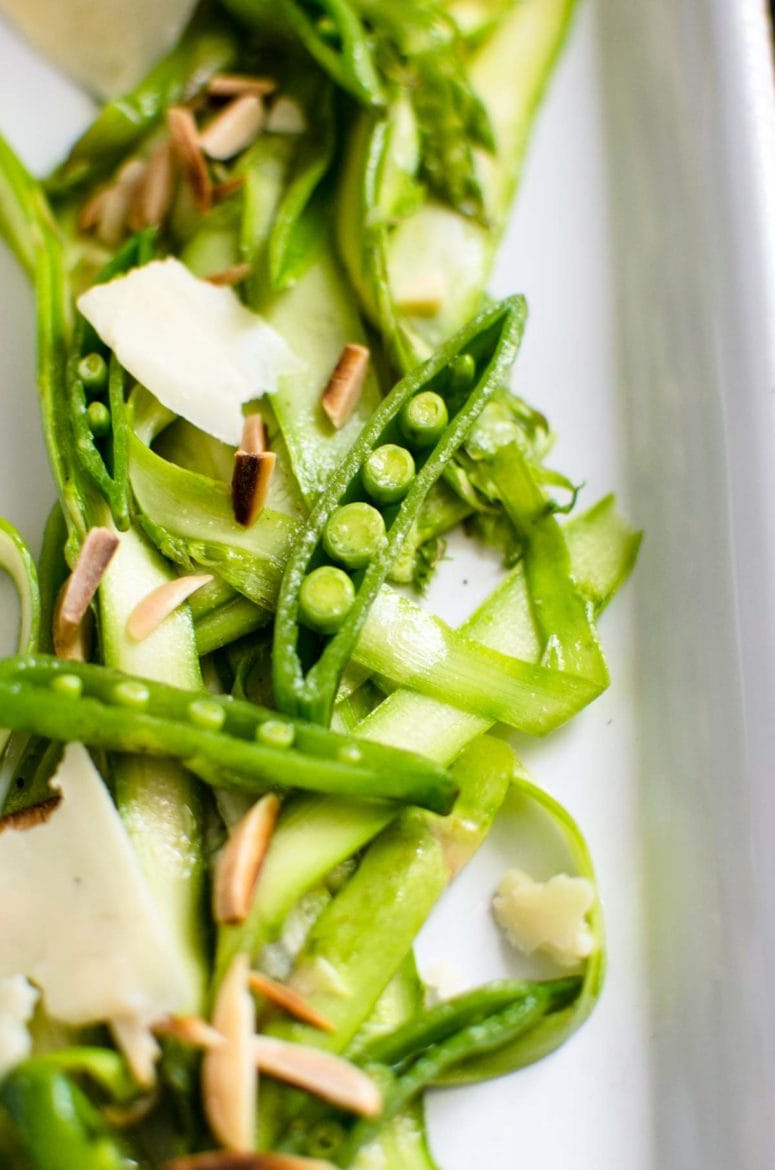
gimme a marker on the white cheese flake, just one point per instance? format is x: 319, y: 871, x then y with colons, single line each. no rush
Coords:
x: 193, y: 344
x: 17, y: 1003
x: 547, y: 916
x: 78, y: 917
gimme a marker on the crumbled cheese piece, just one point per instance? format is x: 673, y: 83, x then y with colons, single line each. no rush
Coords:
x: 192, y: 344
x: 78, y: 917
x: 546, y: 916
x: 442, y: 980
x: 17, y: 1003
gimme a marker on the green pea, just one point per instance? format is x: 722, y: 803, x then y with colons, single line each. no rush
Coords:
x: 131, y: 694
x: 69, y: 685
x: 388, y: 473
x: 353, y: 534
x: 462, y: 372
x: 99, y: 418
x: 206, y: 714
x: 325, y: 599
x: 276, y: 733
x: 93, y: 372
x: 423, y: 419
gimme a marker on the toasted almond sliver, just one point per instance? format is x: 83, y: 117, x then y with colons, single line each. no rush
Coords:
x: 327, y: 1076
x: 157, y: 605
x: 78, y: 590
x: 28, y: 818
x: 227, y: 187
x: 289, y: 1000
x: 232, y: 275
x: 221, y: 1160
x: 236, y: 84
x: 250, y: 482
x: 89, y: 215
x: 238, y: 867
x: 346, y: 383
x: 153, y: 199
x: 112, y: 220
x: 185, y: 143
x: 189, y: 1030
x: 233, y: 128
x: 286, y: 117
x: 253, y: 435
x: 138, y: 1047
x: 229, y: 1085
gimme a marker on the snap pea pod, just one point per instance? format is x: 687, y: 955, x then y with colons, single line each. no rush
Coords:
x: 242, y: 745
x: 461, y: 377
x: 208, y: 46
x: 529, y: 1009
x: 16, y: 560
x: 55, y: 1124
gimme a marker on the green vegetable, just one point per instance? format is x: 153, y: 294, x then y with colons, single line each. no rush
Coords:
x: 353, y: 534
x: 105, y: 708
x: 424, y: 418
x: 388, y: 473
x: 309, y: 688
x: 326, y: 596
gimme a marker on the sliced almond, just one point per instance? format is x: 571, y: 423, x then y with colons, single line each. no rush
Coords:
x: 229, y: 1083
x: 28, y: 818
x: 117, y: 201
x: 286, y: 117
x: 240, y: 862
x: 250, y: 482
x: 234, y: 274
x: 138, y: 1047
x: 89, y: 215
x: 76, y: 594
x: 221, y: 1160
x: 227, y: 187
x: 190, y: 1030
x: 233, y: 128
x: 289, y: 1000
x: 153, y: 198
x: 346, y: 383
x: 253, y: 435
x: 236, y: 84
x: 321, y: 1073
x: 157, y: 605
x: 185, y: 143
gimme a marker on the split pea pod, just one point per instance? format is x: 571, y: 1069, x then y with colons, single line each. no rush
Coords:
x: 224, y: 740
x: 351, y: 539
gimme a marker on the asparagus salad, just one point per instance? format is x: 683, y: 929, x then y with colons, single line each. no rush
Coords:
x: 242, y: 760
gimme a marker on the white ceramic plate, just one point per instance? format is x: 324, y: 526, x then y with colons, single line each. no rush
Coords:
x: 645, y: 241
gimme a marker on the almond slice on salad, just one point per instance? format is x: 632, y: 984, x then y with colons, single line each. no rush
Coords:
x: 228, y: 277
x: 346, y: 383
x: 185, y: 143
x: 192, y: 1030
x: 234, y: 128
x: 289, y: 1000
x: 253, y: 470
x: 157, y: 605
x: 153, y: 198
x: 77, y: 593
x: 229, y: 1080
x: 138, y: 1047
x: 236, y: 84
x: 223, y: 1160
x: 238, y: 867
x: 327, y: 1076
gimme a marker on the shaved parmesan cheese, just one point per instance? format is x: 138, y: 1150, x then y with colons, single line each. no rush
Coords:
x: 108, y: 45
x: 193, y: 344
x: 17, y: 1003
x: 78, y: 918
x: 547, y: 916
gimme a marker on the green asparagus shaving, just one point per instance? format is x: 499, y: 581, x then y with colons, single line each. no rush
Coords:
x: 209, y: 46
x: 363, y: 936
x: 17, y: 561
x: 309, y: 687
x: 109, y: 709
